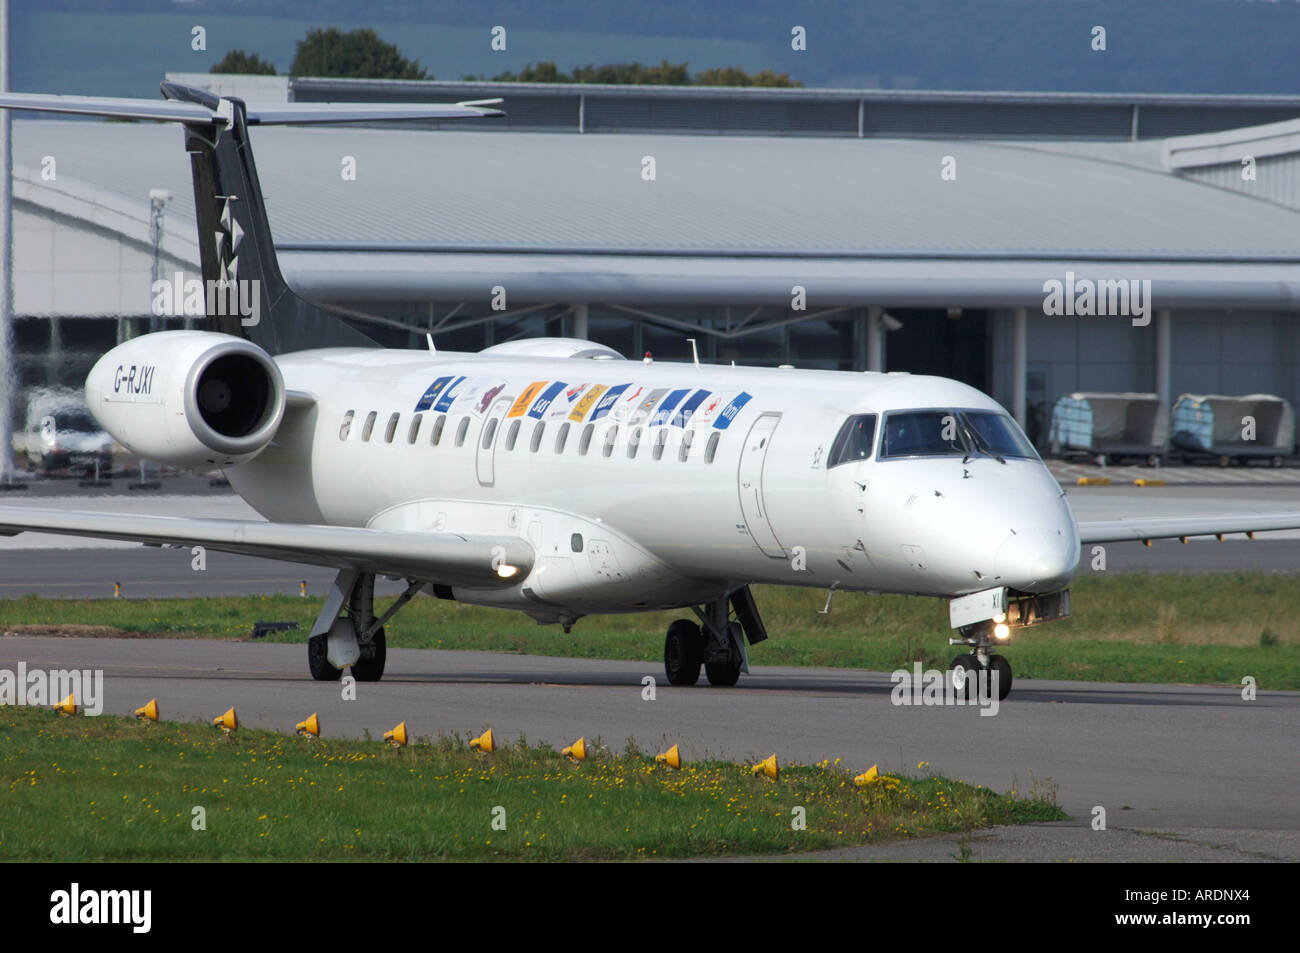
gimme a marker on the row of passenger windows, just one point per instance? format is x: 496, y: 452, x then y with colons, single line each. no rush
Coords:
x: 512, y: 435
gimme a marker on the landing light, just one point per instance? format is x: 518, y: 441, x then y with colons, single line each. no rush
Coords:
x: 505, y: 571
x: 1000, y: 617
x: 1001, y: 631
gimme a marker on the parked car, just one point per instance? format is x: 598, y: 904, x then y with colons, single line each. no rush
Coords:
x: 66, y: 437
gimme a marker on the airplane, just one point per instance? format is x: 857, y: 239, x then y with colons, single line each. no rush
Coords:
x: 554, y: 477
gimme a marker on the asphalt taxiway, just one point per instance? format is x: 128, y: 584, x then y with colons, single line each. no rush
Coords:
x: 1183, y: 772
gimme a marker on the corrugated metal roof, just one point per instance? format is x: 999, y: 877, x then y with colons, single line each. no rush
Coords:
x: 522, y: 194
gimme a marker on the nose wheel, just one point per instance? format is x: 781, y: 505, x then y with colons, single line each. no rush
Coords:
x: 964, y: 670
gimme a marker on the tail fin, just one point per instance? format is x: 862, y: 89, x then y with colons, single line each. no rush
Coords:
x: 244, y: 290
x: 245, y: 293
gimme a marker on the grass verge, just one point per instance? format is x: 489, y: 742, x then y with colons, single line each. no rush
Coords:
x: 1198, y: 629
x: 109, y: 788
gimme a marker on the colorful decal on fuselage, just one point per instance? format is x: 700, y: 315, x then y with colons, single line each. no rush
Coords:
x: 525, y: 399
x: 729, y: 412
x: 647, y: 404
x: 548, y: 397
x: 486, y: 401
x: 662, y: 415
x: 687, y: 410
x: 564, y: 403
x: 607, y: 402
x: 585, y: 402
x: 448, y: 395
x: 429, y: 396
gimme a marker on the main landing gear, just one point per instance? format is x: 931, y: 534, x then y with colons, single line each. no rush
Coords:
x: 355, y: 640
x: 718, y: 644
x: 965, y: 670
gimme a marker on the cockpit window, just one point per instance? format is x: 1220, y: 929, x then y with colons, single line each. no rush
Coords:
x: 998, y: 434
x: 854, y: 441
x: 913, y: 433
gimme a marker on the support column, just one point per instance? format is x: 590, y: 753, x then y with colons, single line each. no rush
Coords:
x: 875, y: 341
x: 1164, y: 356
x: 1019, y: 364
x: 580, y: 321
x: 10, y: 373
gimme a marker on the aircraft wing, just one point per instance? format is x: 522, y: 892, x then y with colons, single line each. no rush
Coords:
x: 449, y: 558
x: 1174, y: 527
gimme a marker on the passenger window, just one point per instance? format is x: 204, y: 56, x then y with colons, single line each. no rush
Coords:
x: 610, y: 436
x: 685, y: 451
x: 854, y: 441
x: 661, y: 440
x: 414, y: 432
x: 634, y: 443
x: 489, y: 432
x: 712, y: 449
x: 346, y: 427
x: 537, y: 436
x: 585, y: 443
x: 512, y: 434
x: 437, y: 430
x: 369, y: 425
x: 391, y: 428
x: 461, y: 431
x: 562, y: 437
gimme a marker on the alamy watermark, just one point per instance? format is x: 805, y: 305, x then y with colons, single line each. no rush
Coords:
x: 935, y: 688
x: 1105, y: 297
x: 178, y: 297
x: 46, y: 687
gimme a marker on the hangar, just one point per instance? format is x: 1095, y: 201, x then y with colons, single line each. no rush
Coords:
x: 825, y: 228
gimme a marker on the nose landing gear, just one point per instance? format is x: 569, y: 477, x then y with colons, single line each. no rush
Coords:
x: 964, y: 670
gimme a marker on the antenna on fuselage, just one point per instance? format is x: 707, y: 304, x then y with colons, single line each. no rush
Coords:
x: 695, y: 351
x: 428, y: 336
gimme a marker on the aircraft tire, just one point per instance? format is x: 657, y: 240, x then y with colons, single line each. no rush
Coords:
x: 371, y: 669
x: 999, y: 664
x: 683, y: 652
x: 318, y: 660
x: 723, y: 674
x: 964, y: 683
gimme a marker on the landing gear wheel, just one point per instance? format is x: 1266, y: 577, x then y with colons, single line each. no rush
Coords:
x: 725, y: 674
x: 1000, y: 667
x: 370, y: 667
x: 318, y: 660
x: 683, y: 652
x: 963, y: 675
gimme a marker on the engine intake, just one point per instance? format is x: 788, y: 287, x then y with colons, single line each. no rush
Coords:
x: 188, y: 398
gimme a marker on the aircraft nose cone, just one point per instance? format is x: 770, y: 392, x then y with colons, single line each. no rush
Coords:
x: 1037, y: 560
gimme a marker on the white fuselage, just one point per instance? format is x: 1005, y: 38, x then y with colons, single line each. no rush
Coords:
x: 629, y: 524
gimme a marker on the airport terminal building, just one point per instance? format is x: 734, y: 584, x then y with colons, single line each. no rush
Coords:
x: 1031, y: 245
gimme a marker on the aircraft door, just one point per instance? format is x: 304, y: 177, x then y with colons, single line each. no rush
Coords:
x: 750, y: 478
x: 489, y: 437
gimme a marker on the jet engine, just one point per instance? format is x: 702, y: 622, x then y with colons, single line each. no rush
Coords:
x: 188, y: 398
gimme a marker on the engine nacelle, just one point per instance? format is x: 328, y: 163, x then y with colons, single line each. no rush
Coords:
x: 188, y: 398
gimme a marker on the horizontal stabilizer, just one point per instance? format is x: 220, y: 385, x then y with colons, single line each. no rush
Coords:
x: 111, y: 107
x: 195, y: 109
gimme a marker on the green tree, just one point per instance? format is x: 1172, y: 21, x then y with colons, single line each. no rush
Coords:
x: 237, y: 61
x: 544, y: 72
x: 357, y: 54
x: 734, y: 76
x: 638, y: 74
